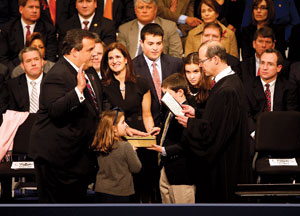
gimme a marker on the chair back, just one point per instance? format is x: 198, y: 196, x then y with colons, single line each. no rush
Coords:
x: 278, y: 132
x: 21, y: 140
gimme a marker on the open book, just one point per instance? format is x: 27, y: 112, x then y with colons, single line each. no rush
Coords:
x: 172, y: 104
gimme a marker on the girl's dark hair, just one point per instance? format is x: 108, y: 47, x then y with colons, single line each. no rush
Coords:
x: 204, y: 85
x: 210, y: 3
x: 107, y: 73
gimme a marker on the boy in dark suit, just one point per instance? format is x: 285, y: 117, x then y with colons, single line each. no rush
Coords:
x: 175, y: 182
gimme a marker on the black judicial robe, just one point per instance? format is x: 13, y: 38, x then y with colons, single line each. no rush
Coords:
x: 219, y: 142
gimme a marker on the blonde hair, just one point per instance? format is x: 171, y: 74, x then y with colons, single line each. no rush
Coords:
x: 105, y: 136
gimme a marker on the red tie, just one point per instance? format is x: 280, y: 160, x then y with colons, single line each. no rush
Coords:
x: 213, y: 83
x: 173, y: 6
x: 86, y: 25
x: 258, y: 72
x: 92, y: 95
x: 268, y: 99
x: 52, y: 8
x: 156, y: 81
x: 28, y: 33
x: 108, y: 9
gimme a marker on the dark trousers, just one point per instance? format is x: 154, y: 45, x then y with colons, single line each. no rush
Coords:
x: 59, y: 186
x: 108, y: 198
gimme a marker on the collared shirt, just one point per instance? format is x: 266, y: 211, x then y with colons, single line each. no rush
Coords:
x: 89, y: 20
x: 32, y: 26
x: 226, y: 72
x: 38, y: 85
x: 79, y: 94
x: 158, y: 66
x: 257, y: 61
x: 272, y: 89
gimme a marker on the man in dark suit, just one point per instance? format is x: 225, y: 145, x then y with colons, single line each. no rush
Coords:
x: 263, y: 39
x: 14, y: 33
x: 8, y: 10
x: 87, y: 19
x: 24, y: 90
x: 70, y: 103
x: 64, y: 9
x: 269, y: 92
x: 152, y: 45
x: 122, y: 11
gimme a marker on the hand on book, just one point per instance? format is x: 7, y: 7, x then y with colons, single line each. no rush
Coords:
x: 154, y: 131
x: 134, y: 132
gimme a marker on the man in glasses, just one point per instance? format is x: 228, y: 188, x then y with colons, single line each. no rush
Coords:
x: 218, y: 139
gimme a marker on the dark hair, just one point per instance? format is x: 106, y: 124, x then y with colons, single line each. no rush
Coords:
x: 265, y: 32
x: 204, y: 85
x: 73, y: 39
x: 175, y: 82
x: 26, y: 50
x: 215, y: 48
x: 153, y: 29
x: 24, y: 2
x: 277, y: 53
x: 107, y: 73
x: 32, y: 37
x: 213, y: 25
x: 210, y: 3
x: 271, y: 11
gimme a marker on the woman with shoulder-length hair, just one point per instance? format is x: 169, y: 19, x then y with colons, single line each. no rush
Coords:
x: 124, y: 90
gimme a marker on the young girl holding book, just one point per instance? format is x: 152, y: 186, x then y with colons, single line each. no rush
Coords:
x: 117, y: 159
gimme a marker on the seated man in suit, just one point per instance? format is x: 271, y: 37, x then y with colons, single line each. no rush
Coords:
x: 121, y: 11
x: 269, y: 92
x: 264, y: 38
x: 24, y: 90
x: 213, y: 32
x: 87, y: 19
x: 13, y: 34
x: 145, y: 10
x: 181, y: 12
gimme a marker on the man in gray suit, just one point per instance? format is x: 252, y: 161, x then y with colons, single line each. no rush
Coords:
x: 145, y: 10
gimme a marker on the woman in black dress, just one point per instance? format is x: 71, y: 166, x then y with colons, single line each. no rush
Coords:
x: 132, y: 94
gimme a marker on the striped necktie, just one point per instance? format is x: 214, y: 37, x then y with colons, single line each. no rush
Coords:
x: 34, y: 99
x: 268, y: 98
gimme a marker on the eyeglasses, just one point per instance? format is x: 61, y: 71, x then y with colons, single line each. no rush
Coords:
x: 260, y: 7
x: 204, y: 60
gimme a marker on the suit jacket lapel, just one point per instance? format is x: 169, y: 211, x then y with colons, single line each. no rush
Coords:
x: 164, y: 66
x: 96, y: 87
x: 134, y: 28
x: 278, y: 95
x: 19, y: 34
x: 24, y: 94
x: 259, y: 94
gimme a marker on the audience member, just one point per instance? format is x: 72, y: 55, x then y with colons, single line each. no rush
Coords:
x: 199, y: 84
x: 181, y: 12
x: 8, y: 10
x: 286, y: 14
x: 24, y: 91
x: 175, y: 183
x: 14, y: 33
x: 66, y: 123
x: 116, y: 159
x: 145, y: 10
x: 34, y: 40
x: 268, y: 92
x: 264, y: 38
x: 57, y: 11
x: 121, y: 10
x: 218, y: 140
x: 87, y: 19
x: 97, y: 55
x: 209, y: 13
x: 262, y: 15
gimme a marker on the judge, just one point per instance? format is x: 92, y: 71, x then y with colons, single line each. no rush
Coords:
x: 218, y: 140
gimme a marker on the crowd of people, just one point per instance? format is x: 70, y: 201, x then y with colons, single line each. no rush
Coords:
x: 94, y: 71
